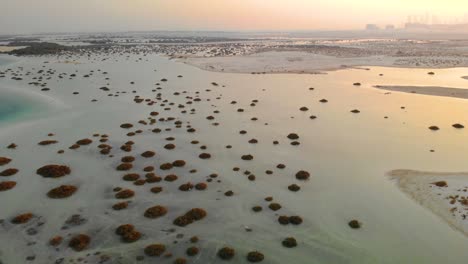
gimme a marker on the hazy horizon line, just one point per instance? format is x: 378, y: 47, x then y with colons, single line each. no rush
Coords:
x: 206, y: 30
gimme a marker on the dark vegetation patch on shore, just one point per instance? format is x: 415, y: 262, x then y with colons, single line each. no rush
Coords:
x: 38, y: 48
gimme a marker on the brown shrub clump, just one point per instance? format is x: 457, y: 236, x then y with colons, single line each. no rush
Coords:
x: 180, y: 261
x: 295, y: 220
x: 178, y: 163
x: 226, y: 253
x: 105, y: 151
x: 204, y: 156
x: 22, y: 218
x: 126, y: 148
x: 126, y: 125
x: 155, y: 250
x: 84, y: 142
x: 130, y: 237
x: 295, y: 143
x: 283, y: 220
x: 128, y: 159
x: 148, y: 154
x: 55, y: 241
x: 62, y: 191
x: 124, y: 167
x: 120, y: 206
x: 192, y: 251
x: 280, y: 166
x: 440, y: 184
x: 9, y: 172
x: 131, y: 177
x: 194, y: 214
x: 302, y: 175
x: 152, y: 178
x: 7, y: 185
x: 79, y: 242
x: 169, y: 146
x: 156, y: 189
x: 186, y: 187
x: 122, y: 229
x: 125, y: 194
x: 139, y: 182
x: 274, y: 206
x: 155, y: 211
x: 12, y: 146
x: 166, y: 166
x: 294, y: 187
x: 4, y: 161
x: 255, y: 256
x: 104, y: 146
x: 257, y: 208
x: 53, y: 171
x: 293, y: 136
x: 201, y: 186
x: 247, y: 157
x: 354, y: 224
x: 170, y: 178
x: 74, y: 146
x: 289, y: 242
x: 47, y: 142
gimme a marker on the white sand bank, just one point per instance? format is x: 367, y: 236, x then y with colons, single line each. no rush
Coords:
x: 448, y: 202
x: 8, y: 48
x: 427, y: 90
x: 284, y: 62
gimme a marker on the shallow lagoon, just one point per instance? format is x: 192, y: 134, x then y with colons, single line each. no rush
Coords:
x: 347, y: 155
x: 13, y: 108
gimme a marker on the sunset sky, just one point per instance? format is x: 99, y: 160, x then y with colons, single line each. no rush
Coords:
x: 33, y: 16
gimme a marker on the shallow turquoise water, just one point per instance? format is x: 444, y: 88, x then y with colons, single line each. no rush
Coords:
x: 12, y: 109
x: 6, y: 59
x: 17, y: 105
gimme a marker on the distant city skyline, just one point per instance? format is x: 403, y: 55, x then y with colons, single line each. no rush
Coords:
x: 421, y: 21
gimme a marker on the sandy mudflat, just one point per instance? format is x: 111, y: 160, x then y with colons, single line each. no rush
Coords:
x: 284, y: 62
x: 69, y: 62
x: 229, y: 144
x: 448, y: 200
x: 123, y: 148
x: 427, y: 90
x: 8, y: 48
x: 313, y: 61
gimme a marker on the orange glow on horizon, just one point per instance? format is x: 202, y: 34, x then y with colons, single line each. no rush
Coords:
x: 219, y: 14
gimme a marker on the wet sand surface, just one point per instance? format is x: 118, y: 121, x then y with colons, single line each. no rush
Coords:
x: 444, y: 194
x: 140, y: 154
x: 428, y: 90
